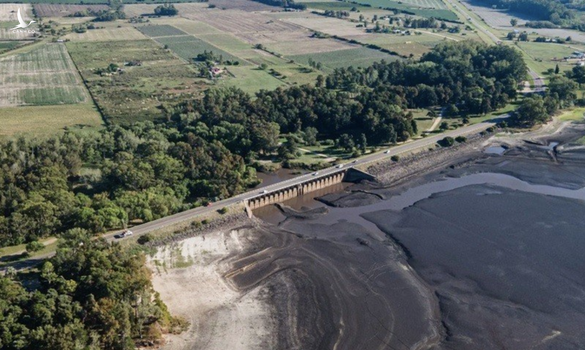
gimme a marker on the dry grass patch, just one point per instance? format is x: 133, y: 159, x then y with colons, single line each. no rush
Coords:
x: 8, y: 12
x: 6, y: 34
x: 62, y: 10
x: 107, y: 34
x: 42, y: 120
x: 331, y: 26
x: 189, y: 26
x: 247, y: 26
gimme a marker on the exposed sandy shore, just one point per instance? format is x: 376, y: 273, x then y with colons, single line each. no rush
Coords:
x: 190, y: 278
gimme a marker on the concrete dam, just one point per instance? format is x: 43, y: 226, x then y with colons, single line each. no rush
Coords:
x: 298, y: 189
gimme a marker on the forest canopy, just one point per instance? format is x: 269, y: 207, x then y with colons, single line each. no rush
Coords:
x: 90, y: 295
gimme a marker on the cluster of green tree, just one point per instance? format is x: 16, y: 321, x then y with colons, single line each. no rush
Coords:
x: 100, y: 182
x: 166, y: 10
x: 111, y: 68
x: 284, y: 3
x: 541, y: 24
x: 560, y: 93
x: 421, y: 22
x: 209, y: 56
x: 115, y: 12
x: 336, y: 14
x: 468, y: 76
x: 90, y: 295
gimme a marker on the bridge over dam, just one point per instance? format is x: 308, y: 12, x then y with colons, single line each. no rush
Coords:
x: 312, y: 184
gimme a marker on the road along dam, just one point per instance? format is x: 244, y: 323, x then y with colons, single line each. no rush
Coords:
x: 315, y: 183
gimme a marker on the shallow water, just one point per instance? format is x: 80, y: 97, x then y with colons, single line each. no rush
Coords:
x: 277, y: 176
x: 495, y: 150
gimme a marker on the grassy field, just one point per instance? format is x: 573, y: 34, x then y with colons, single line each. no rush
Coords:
x: 544, y: 56
x: 160, y: 30
x: 61, y: 10
x: 357, y: 57
x: 433, y: 4
x: 577, y: 114
x: 251, y: 79
x: 138, y: 92
x: 8, y: 45
x: 188, y: 47
x: 39, y: 120
x: 45, y: 75
x: 107, y: 34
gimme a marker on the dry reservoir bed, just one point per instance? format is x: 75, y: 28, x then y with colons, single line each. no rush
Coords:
x: 484, y: 255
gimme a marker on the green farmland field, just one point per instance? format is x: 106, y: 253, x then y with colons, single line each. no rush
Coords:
x: 188, y: 47
x: 43, y: 76
x: 358, y: 57
x: 8, y: 45
x: 160, y: 30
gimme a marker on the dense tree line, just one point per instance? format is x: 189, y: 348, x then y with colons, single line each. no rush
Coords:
x: 166, y: 10
x: 90, y: 295
x: 471, y: 76
x: 99, y: 182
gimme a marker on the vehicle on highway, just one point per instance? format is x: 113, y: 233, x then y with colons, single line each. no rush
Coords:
x: 263, y: 192
x: 315, y: 173
x: 355, y: 161
x: 386, y: 152
x: 339, y: 166
x: 124, y: 234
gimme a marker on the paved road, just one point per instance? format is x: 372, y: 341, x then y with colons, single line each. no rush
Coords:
x: 406, y: 147
x: 538, y: 82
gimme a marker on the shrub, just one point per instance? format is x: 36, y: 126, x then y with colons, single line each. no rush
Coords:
x: 205, y: 222
x: 395, y: 158
x: 145, y: 238
x: 222, y: 210
x: 447, y: 142
x: 34, y: 246
x: 461, y: 139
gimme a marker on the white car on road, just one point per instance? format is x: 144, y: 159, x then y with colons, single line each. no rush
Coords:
x: 124, y: 234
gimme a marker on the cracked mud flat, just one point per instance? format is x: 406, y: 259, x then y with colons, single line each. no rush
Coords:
x: 487, y: 255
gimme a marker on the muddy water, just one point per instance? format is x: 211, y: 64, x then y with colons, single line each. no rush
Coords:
x: 278, y: 176
x: 485, y: 257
